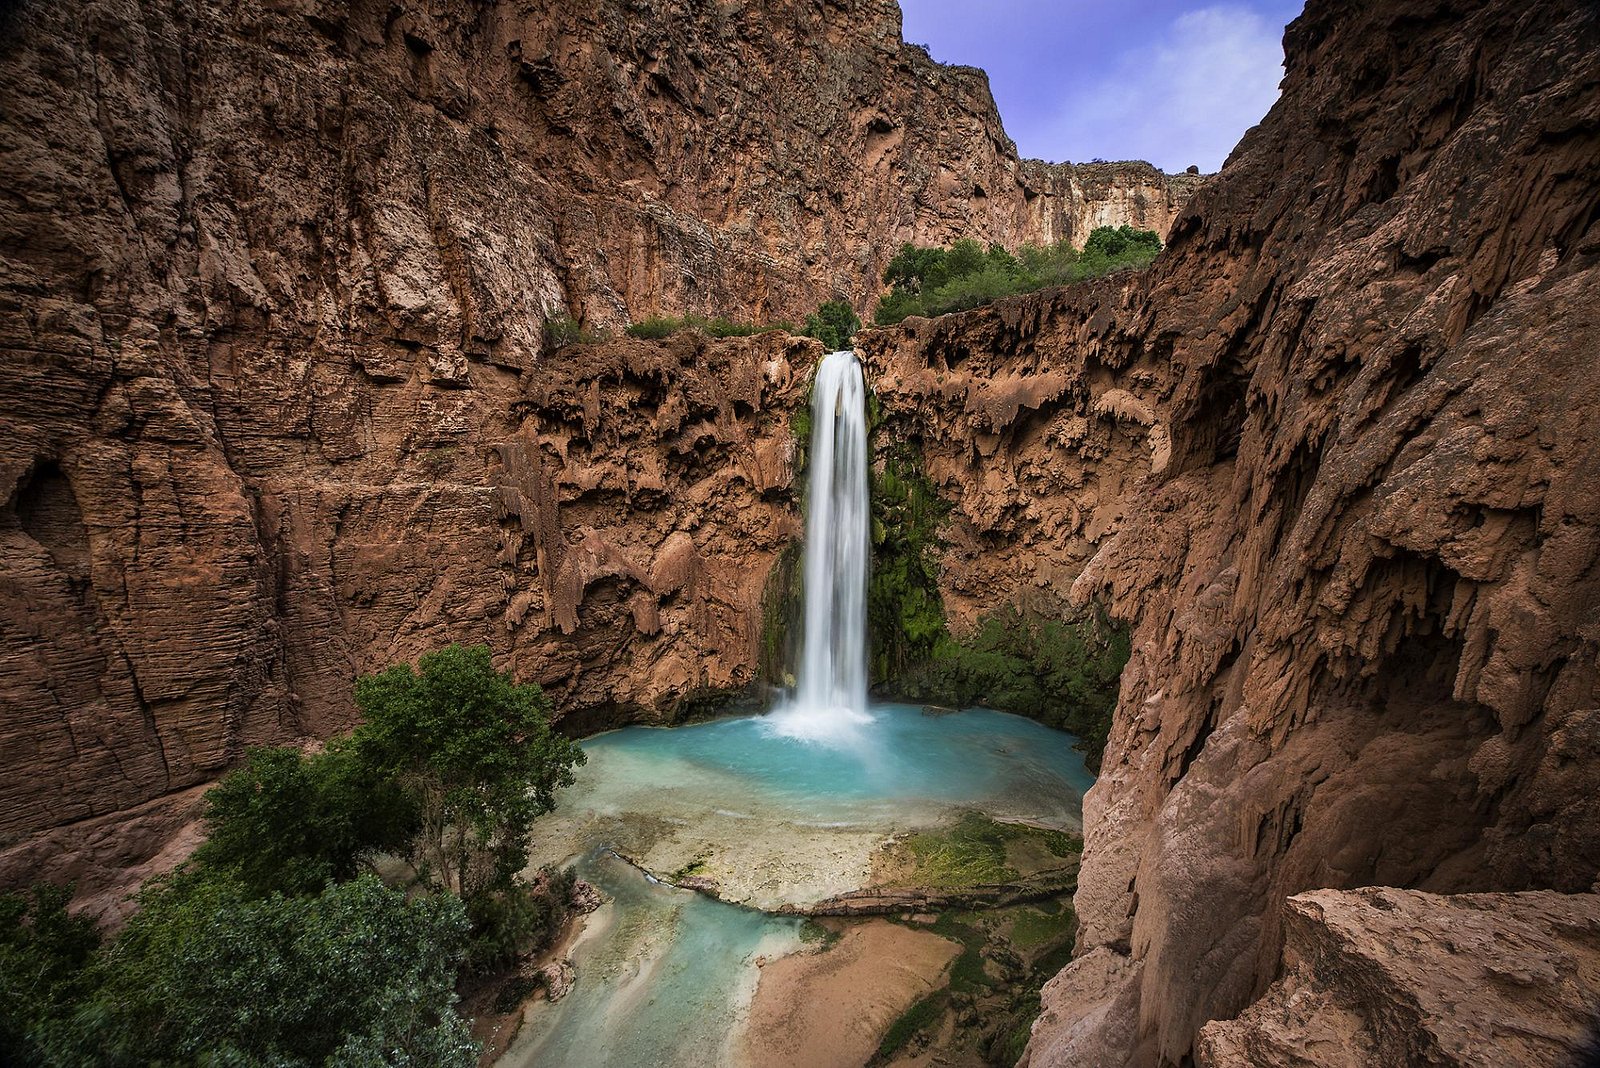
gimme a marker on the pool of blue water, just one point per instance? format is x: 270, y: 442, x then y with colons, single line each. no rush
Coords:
x: 999, y: 763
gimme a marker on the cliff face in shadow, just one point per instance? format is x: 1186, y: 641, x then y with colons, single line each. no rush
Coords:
x: 200, y: 559
x: 1334, y: 456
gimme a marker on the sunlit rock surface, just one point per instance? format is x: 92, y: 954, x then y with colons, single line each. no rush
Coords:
x: 279, y: 406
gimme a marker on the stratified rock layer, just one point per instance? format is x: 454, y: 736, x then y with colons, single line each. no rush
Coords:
x: 1335, y: 456
x: 447, y: 174
x: 1381, y: 976
x: 207, y: 561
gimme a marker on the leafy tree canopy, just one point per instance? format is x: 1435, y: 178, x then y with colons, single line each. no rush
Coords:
x: 290, y: 823
x: 44, y: 958
x: 204, y: 973
x: 934, y: 281
x: 834, y: 324
x: 475, y: 753
x: 270, y: 947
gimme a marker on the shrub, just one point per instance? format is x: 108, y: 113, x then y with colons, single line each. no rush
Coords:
x: 562, y: 329
x: 206, y: 973
x: 933, y: 281
x: 897, y: 305
x: 1117, y: 241
x: 655, y: 327
x: 44, y: 959
x: 834, y: 324
x: 989, y: 283
x: 517, y: 919
x: 1062, y: 672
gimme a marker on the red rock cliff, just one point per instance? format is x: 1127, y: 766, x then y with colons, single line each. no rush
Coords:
x: 1335, y: 457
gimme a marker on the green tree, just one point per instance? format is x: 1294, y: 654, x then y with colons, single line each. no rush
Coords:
x: 934, y: 281
x: 973, y: 288
x: 44, y: 958
x: 204, y: 973
x: 896, y: 305
x: 1115, y: 241
x: 834, y: 324
x: 475, y: 753
x: 912, y: 266
x: 290, y: 823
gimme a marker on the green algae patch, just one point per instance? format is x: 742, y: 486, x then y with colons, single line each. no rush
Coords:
x: 1035, y: 926
x: 986, y: 1009
x: 974, y: 851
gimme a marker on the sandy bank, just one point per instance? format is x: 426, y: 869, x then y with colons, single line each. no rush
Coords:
x: 831, y: 1008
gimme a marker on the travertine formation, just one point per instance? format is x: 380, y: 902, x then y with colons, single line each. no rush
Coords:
x: 1037, y: 447
x: 1335, y: 457
x: 1381, y: 976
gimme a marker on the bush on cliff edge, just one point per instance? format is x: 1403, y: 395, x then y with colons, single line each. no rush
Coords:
x: 933, y: 281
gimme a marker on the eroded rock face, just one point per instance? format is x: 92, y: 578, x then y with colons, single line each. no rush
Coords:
x: 1381, y: 976
x: 208, y: 560
x: 447, y: 174
x: 1035, y: 444
x: 1334, y: 456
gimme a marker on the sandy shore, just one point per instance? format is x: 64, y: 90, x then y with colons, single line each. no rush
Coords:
x: 829, y: 1009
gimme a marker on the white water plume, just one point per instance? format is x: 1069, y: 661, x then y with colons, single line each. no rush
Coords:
x: 830, y: 699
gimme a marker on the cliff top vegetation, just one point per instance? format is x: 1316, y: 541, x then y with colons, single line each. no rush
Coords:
x: 933, y: 281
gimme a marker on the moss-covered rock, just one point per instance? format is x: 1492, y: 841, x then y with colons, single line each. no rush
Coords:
x: 1063, y: 671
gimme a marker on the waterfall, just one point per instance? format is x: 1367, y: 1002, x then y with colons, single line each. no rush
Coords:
x: 831, y: 695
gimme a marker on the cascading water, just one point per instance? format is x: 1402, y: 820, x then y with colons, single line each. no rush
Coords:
x: 830, y: 699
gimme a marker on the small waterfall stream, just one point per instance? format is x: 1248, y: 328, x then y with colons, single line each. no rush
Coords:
x: 830, y: 699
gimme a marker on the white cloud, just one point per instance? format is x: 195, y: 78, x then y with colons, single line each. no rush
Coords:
x: 1186, y: 97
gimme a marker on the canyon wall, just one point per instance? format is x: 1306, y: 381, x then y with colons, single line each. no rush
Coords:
x: 279, y: 405
x: 204, y: 557
x: 1334, y: 456
x: 279, y: 409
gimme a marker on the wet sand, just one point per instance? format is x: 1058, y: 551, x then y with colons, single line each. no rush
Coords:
x: 830, y: 1009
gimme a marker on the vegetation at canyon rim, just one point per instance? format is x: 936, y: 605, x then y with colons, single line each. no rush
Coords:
x: 923, y: 280
x: 834, y: 323
x: 926, y: 280
x: 655, y: 327
x: 276, y: 943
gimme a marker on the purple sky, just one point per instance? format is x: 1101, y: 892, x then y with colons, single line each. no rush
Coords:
x: 1171, y: 81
